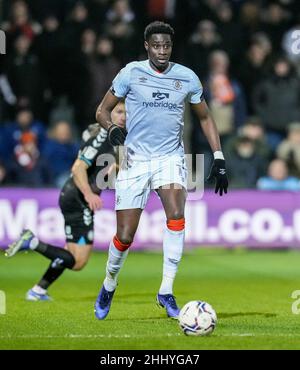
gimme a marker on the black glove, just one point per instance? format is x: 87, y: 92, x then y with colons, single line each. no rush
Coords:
x: 218, y: 171
x: 116, y: 135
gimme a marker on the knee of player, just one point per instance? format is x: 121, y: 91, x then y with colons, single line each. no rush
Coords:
x: 125, y: 238
x: 122, y: 242
x: 176, y: 214
x: 80, y: 263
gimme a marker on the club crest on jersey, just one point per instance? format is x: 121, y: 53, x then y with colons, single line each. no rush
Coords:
x: 160, y: 96
x: 177, y: 84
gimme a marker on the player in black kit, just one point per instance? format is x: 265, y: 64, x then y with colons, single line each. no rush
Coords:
x: 79, y: 199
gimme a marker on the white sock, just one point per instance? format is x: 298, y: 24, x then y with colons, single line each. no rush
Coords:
x: 37, y: 289
x: 115, y: 261
x: 173, y: 247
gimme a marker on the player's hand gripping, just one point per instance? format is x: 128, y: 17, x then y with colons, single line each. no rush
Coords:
x: 116, y: 135
x: 94, y: 201
x: 218, y: 171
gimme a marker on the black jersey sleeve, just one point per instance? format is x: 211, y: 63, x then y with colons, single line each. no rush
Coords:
x: 93, y: 147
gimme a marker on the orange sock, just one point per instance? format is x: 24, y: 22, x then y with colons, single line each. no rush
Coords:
x: 119, y: 245
x: 176, y: 225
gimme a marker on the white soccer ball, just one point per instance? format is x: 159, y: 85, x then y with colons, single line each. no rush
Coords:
x: 197, y: 318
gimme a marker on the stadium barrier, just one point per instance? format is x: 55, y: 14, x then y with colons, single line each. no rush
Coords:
x: 241, y: 218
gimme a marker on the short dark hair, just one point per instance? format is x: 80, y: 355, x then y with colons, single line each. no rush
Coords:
x: 158, y: 27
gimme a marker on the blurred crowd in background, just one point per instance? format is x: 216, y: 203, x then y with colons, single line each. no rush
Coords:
x: 63, y: 54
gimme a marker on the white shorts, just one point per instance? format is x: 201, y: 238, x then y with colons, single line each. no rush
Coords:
x: 139, y: 177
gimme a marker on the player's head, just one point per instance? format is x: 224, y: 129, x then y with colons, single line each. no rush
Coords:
x: 278, y: 169
x: 24, y: 117
x: 159, y: 43
x: 118, y: 115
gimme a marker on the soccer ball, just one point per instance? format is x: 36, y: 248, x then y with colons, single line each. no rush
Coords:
x: 197, y: 318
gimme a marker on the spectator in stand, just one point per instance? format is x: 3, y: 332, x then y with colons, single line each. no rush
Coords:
x: 80, y: 93
x: 88, y: 42
x: 254, y: 130
x: 202, y: 43
x: 25, y: 76
x: 275, y: 21
x: 73, y: 31
x: 95, y: 67
x: 60, y: 151
x: 250, y: 19
x: 225, y: 95
x: 163, y: 10
x: 78, y: 21
x: 120, y: 11
x: 245, y: 165
x: 231, y: 31
x: 59, y: 8
x: 120, y: 27
x: 27, y: 167
x: 263, y: 40
x: 289, y: 149
x: 19, y: 23
x: 102, y: 70
x: 24, y: 123
x: 276, y: 100
x: 97, y: 12
x: 253, y: 66
x: 278, y: 178
x: 48, y: 46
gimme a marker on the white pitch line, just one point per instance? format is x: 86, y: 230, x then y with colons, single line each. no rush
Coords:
x: 257, y: 335
x: 124, y: 336
x: 128, y: 336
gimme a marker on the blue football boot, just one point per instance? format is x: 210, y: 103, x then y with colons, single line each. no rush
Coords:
x: 32, y: 296
x: 103, y: 303
x: 22, y: 244
x: 168, y: 302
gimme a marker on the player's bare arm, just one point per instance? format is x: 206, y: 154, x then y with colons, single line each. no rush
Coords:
x: 208, y: 125
x: 116, y: 134
x: 80, y: 177
x: 218, y: 170
x: 103, y: 113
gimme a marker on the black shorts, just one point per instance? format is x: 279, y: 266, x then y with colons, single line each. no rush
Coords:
x: 79, y: 219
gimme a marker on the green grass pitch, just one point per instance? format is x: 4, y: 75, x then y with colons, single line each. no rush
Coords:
x: 250, y: 291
